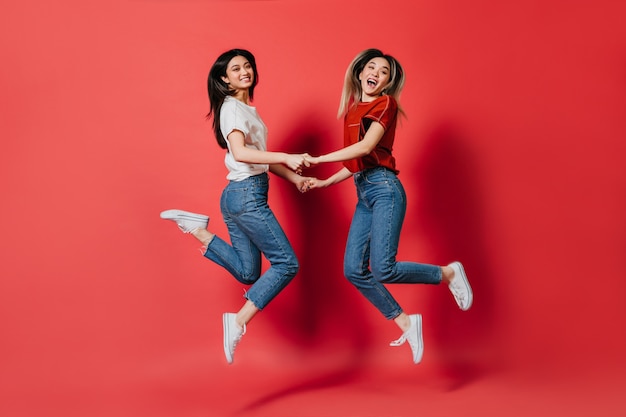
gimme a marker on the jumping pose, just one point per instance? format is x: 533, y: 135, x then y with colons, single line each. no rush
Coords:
x: 370, y: 108
x: 252, y: 226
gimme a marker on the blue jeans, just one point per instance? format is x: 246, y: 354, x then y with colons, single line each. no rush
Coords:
x: 253, y: 230
x: 370, y: 257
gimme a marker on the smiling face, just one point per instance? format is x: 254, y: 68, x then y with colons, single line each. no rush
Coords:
x: 374, y: 78
x: 239, y: 74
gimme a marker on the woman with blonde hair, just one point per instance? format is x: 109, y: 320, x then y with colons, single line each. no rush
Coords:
x: 370, y: 108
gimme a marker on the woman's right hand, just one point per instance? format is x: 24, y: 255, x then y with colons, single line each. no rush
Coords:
x: 313, y: 183
x: 313, y: 160
x: 296, y: 162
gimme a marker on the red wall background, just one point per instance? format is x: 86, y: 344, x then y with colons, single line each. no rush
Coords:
x: 512, y: 156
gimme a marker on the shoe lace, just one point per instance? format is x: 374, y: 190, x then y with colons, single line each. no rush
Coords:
x: 401, y: 340
x: 238, y: 337
x: 457, y: 290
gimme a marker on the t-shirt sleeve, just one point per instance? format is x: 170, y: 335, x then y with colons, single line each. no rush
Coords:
x: 383, y: 112
x: 232, y: 118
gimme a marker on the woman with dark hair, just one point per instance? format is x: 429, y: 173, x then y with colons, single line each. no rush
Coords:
x: 252, y: 226
x: 369, y: 105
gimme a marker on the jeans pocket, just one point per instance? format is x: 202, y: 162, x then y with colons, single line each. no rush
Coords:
x: 234, y: 201
x: 377, y: 176
x: 377, y: 180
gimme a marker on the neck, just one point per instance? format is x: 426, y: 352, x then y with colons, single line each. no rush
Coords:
x: 367, y: 99
x: 243, y: 96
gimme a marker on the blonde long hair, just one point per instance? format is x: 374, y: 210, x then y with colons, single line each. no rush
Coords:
x: 351, y: 94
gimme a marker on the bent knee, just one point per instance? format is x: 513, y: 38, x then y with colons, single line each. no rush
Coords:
x: 383, y: 276
x: 289, y: 268
x: 353, y: 274
x: 249, y: 278
x: 293, y: 268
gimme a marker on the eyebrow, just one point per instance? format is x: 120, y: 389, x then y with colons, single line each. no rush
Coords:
x: 382, y: 66
x: 240, y: 65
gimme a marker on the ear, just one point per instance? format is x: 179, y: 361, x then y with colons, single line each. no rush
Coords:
x: 225, y: 80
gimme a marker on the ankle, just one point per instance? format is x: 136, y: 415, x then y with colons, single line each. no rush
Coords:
x: 204, y: 236
x: 403, y: 322
x: 447, y: 274
x: 240, y: 323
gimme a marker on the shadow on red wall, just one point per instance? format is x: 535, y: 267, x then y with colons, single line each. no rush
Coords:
x: 323, y: 308
x: 452, y: 215
x: 318, y: 314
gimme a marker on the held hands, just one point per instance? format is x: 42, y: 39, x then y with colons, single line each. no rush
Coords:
x: 305, y: 184
x: 312, y: 160
x: 296, y: 162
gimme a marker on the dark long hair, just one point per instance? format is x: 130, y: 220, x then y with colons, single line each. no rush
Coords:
x: 219, y: 90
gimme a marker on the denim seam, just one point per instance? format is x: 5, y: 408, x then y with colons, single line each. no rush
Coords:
x: 233, y: 270
x: 372, y: 281
x: 282, y: 275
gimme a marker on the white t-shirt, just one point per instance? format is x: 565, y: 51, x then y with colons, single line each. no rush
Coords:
x: 236, y: 115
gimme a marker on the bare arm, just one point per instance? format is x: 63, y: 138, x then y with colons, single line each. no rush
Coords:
x: 356, y: 150
x: 241, y: 153
x: 301, y: 183
x: 337, y: 177
x: 284, y: 172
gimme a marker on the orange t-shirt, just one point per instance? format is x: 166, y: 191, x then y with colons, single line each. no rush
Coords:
x: 383, y: 110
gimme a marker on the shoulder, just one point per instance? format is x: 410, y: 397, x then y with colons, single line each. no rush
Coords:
x: 233, y: 108
x: 383, y: 106
x: 230, y: 103
x: 386, y: 102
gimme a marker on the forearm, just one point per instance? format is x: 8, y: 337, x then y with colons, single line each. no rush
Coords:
x: 354, y: 151
x: 255, y: 156
x: 338, y: 177
x: 358, y: 149
x: 284, y: 172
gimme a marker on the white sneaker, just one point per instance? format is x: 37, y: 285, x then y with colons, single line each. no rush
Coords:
x: 414, y: 336
x: 232, y: 335
x: 186, y: 221
x: 460, y: 287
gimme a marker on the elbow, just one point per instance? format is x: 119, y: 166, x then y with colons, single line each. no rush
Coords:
x: 238, y: 157
x: 365, y: 152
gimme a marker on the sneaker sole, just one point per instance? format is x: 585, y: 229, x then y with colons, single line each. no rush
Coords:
x: 229, y: 357
x: 420, y: 340
x: 467, y: 285
x: 183, y: 215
